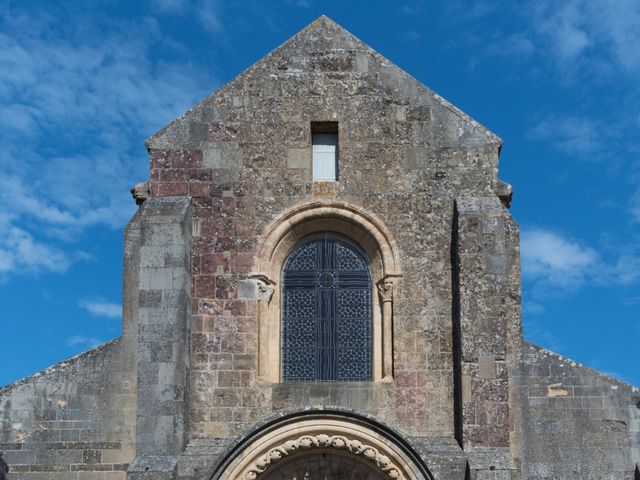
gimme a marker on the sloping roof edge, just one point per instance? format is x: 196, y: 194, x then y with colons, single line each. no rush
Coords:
x: 492, y: 137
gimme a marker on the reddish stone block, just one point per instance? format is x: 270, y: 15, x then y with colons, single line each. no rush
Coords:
x: 173, y: 175
x: 214, y: 263
x: 205, y: 286
x: 244, y: 226
x: 241, y: 262
x: 186, y: 158
x: 210, y: 307
x: 225, y: 288
x: 237, y: 308
x: 224, y: 226
x: 224, y: 244
x: 205, y: 343
x: 200, y: 174
x: 199, y: 189
x: 172, y: 189
x: 159, y: 159
x: 233, y: 343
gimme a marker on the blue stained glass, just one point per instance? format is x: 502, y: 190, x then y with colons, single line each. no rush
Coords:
x: 327, y: 327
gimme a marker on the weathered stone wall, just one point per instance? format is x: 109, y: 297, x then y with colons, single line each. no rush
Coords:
x: 159, y: 251
x: 181, y: 385
x: 572, y: 422
x: 487, y: 329
x: 74, y: 420
x: 244, y: 155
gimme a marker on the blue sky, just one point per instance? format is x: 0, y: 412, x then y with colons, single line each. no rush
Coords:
x: 83, y: 83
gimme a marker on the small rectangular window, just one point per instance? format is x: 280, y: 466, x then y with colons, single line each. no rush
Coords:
x: 325, y: 151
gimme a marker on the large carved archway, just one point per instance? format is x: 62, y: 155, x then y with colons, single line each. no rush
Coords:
x: 319, y: 445
x: 292, y: 227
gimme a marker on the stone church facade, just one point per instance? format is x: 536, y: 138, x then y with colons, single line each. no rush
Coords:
x: 322, y: 281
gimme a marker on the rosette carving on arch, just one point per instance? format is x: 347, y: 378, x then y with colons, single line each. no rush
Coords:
x: 309, y: 442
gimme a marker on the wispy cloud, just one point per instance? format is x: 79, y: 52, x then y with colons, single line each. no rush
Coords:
x: 19, y: 251
x: 209, y: 16
x: 557, y: 264
x: 84, y: 341
x: 593, y: 37
x: 634, y: 207
x: 564, y: 26
x: 299, y: 3
x: 169, y: 6
x: 557, y: 261
x: 411, y: 8
x: 573, y: 135
x: 578, y: 38
x: 532, y: 308
x: 76, y: 98
x: 517, y: 45
x: 101, y: 308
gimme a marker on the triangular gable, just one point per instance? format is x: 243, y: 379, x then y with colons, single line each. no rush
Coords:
x: 320, y: 38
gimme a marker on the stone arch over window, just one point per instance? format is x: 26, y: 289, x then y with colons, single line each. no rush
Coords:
x: 288, y: 231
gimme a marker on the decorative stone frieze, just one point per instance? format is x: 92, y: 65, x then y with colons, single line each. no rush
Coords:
x: 338, y: 442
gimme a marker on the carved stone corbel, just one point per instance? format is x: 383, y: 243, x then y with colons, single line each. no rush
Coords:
x: 140, y: 192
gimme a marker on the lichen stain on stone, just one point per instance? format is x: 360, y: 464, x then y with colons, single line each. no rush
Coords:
x: 324, y: 189
x: 554, y: 390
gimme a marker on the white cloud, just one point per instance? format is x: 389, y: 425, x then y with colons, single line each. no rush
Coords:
x: 532, y: 308
x: 556, y: 264
x: 563, y: 25
x: 550, y: 258
x: 77, y: 99
x: 19, y: 251
x: 84, y: 341
x: 102, y: 308
x: 591, y: 34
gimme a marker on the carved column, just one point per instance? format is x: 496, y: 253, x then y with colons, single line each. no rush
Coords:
x: 265, y: 293
x: 385, y: 290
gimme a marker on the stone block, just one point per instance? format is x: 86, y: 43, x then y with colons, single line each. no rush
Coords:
x: 299, y: 158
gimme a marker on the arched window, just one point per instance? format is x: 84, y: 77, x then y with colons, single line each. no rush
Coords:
x: 326, y: 315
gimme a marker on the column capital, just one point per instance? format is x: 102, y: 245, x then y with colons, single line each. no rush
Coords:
x: 385, y: 289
